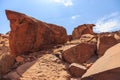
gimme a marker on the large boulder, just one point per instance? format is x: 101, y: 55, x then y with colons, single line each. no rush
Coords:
x: 80, y: 53
x: 77, y: 70
x: 82, y: 29
x: 107, y: 67
x: 104, y: 43
x: 28, y: 34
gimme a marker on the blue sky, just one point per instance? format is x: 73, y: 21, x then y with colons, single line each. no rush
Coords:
x: 68, y: 13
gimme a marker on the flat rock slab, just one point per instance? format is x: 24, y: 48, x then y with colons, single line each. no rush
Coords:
x: 110, y: 62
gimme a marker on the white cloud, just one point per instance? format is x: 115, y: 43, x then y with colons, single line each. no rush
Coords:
x: 75, y: 16
x: 64, y: 2
x: 108, y: 23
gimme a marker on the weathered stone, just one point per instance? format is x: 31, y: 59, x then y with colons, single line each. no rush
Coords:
x: 80, y: 53
x: 29, y: 35
x: 21, y: 69
x: 82, y: 29
x: 104, y: 43
x: 12, y: 76
x: 88, y: 38
x: 107, y: 67
x: 107, y: 75
x: 6, y: 61
x: 77, y: 70
x: 91, y: 61
x: 60, y: 35
x: 69, y: 37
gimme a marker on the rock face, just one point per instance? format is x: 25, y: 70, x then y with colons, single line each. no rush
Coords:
x: 28, y: 34
x: 105, y: 42
x: 80, y: 53
x: 69, y: 37
x: 107, y: 67
x: 77, y: 70
x: 82, y: 29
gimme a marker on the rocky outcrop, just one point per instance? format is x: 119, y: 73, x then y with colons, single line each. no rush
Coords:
x: 104, y: 43
x: 28, y: 34
x: 107, y: 67
x: 77, y: 70
x: 80, y: 53
x: 82, y: 29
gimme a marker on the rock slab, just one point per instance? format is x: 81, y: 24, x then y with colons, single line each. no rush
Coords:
x: 80, y: 53
x: 106, y: 67
x: 77, y: 70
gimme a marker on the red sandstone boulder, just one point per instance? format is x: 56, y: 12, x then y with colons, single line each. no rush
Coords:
x: 82, y: 29
x: 80, y: 53
x: 28, y: 34
x: 59, y: 33
x: 104, y: 43
x: 77, y: 70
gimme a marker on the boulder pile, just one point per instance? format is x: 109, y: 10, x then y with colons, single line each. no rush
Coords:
x: 46, y: 51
